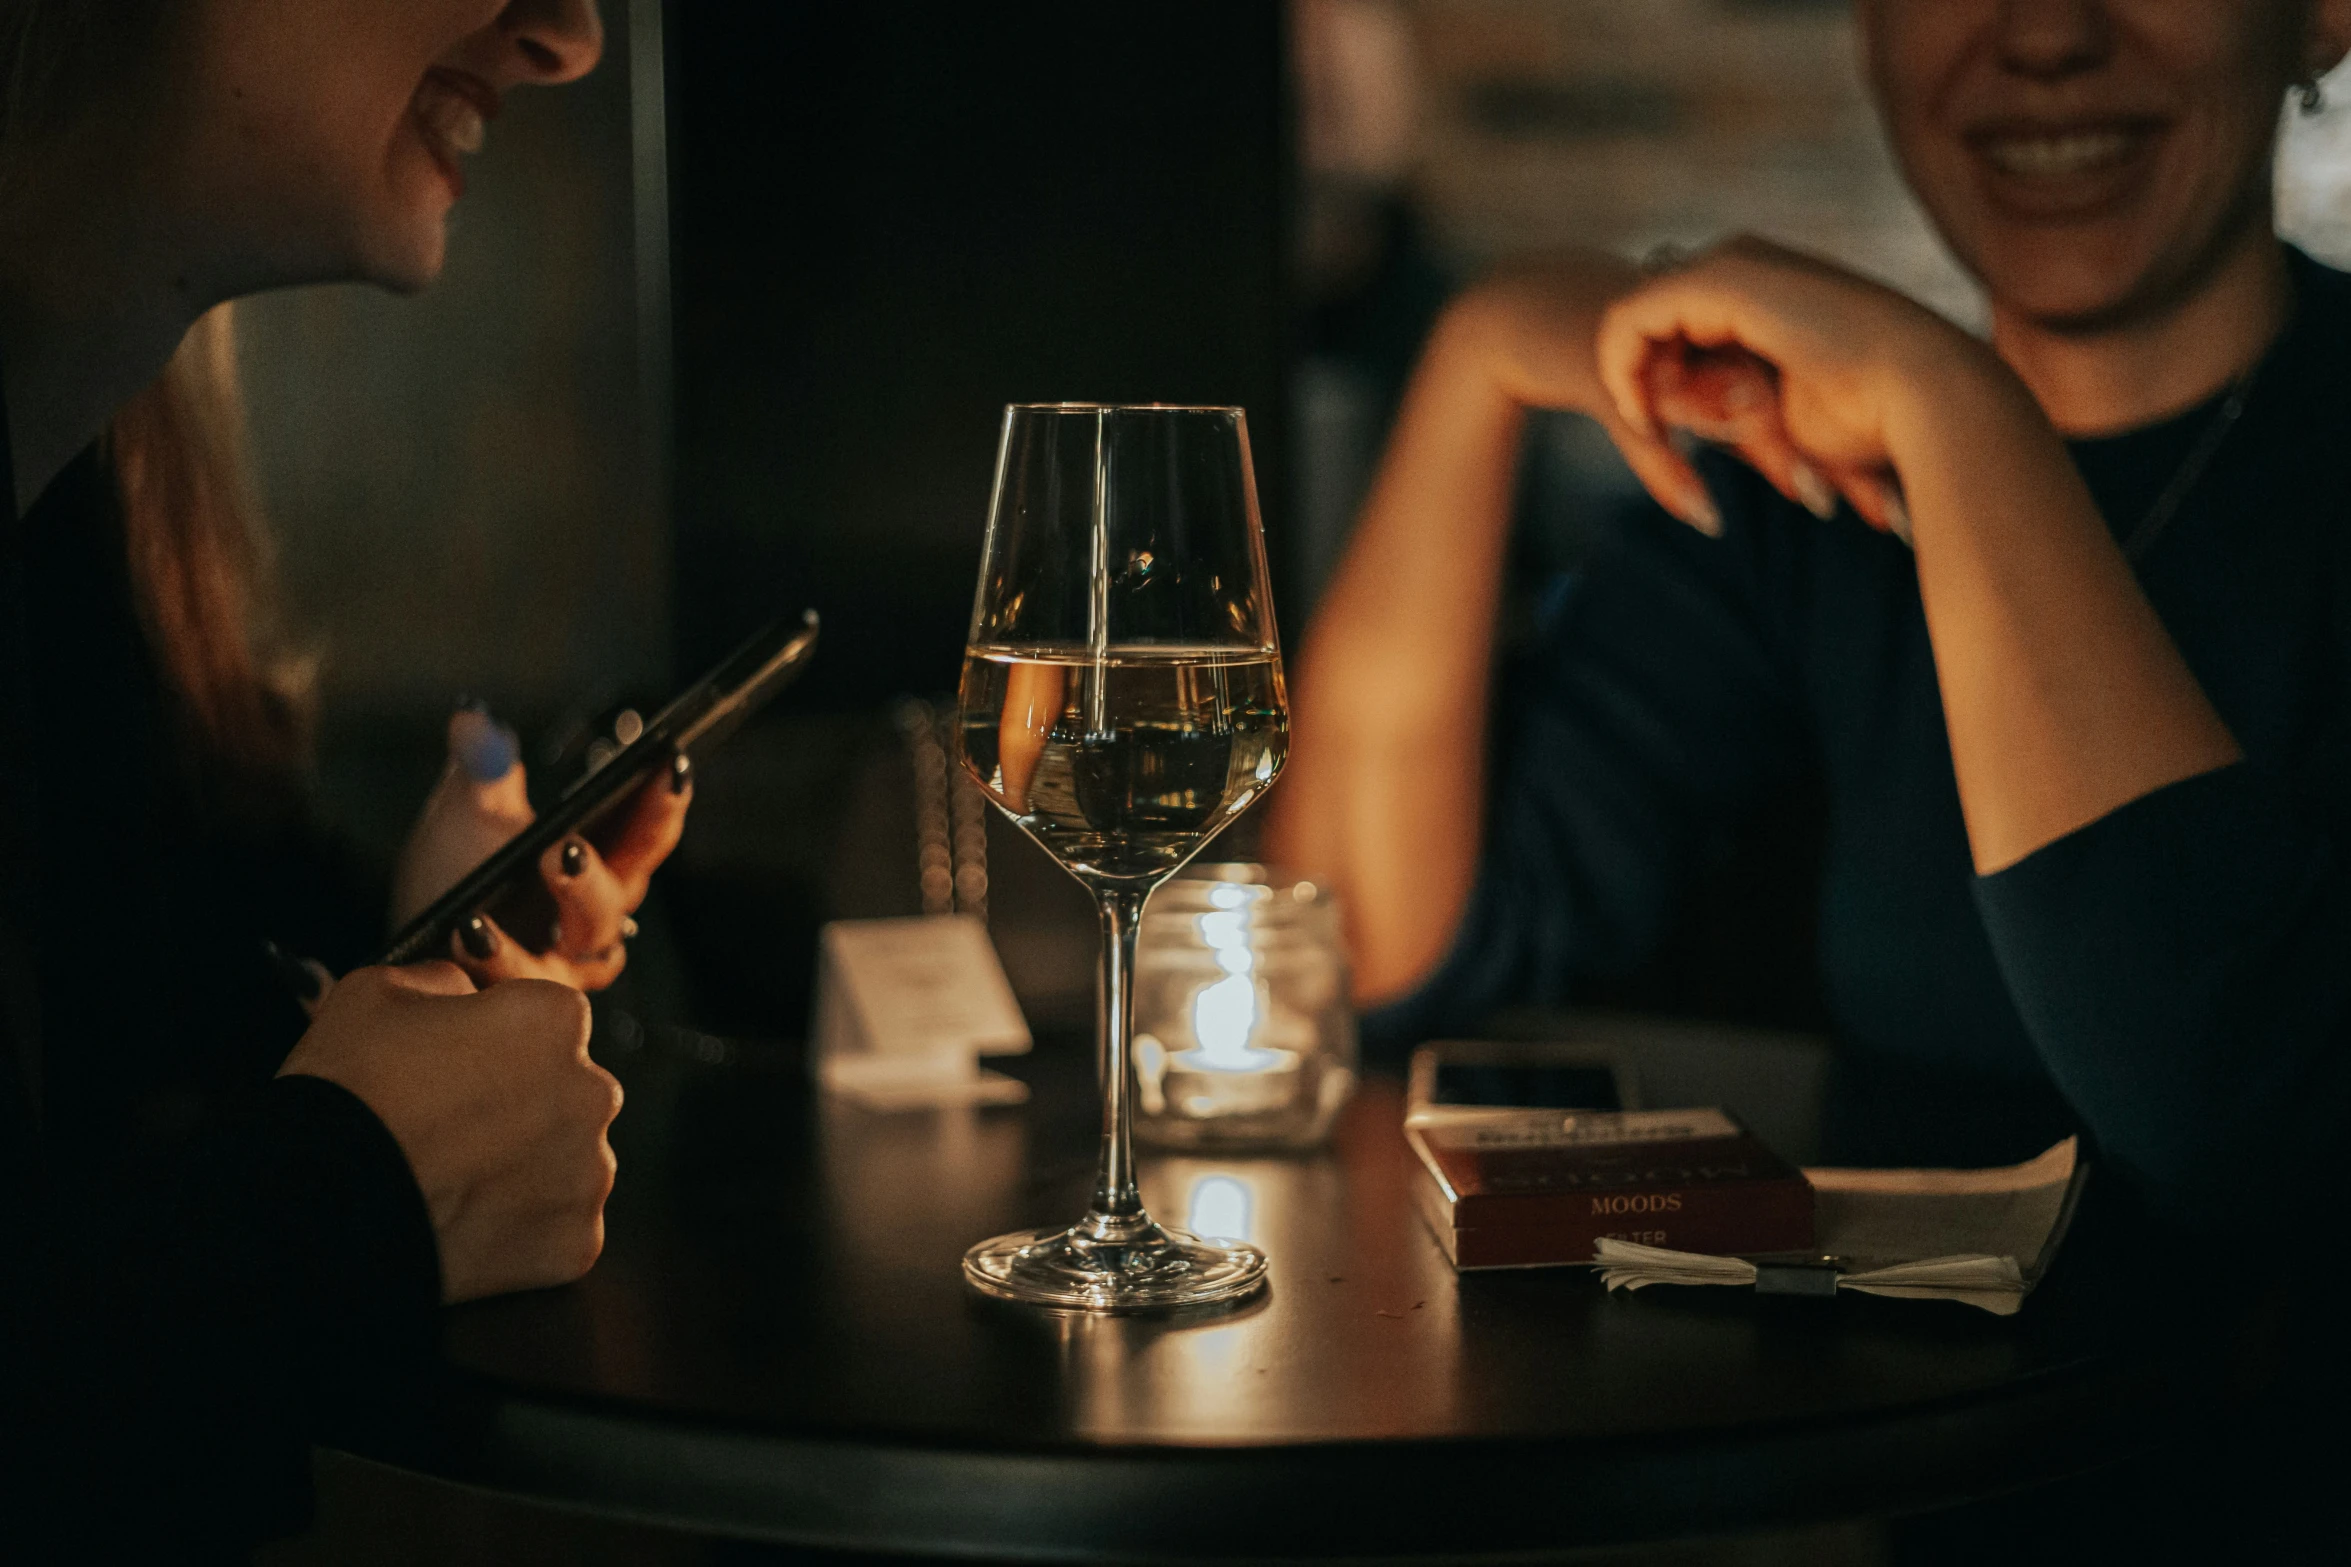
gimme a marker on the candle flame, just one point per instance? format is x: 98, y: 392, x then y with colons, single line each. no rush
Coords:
x: 1222, y: 1208
x: 1224, y: 1017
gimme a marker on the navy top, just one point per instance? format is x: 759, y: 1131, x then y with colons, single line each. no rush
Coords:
x: 2178, y: 972
x: 203, y: 1269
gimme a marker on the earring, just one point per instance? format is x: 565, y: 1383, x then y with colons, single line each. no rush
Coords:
x: 2310, y: 95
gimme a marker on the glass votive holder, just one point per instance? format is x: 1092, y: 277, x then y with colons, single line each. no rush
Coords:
x: 1243, y: 1035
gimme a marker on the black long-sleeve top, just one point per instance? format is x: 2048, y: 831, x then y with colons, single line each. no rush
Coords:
x: 2175, y: 976
x: 203, y: 1268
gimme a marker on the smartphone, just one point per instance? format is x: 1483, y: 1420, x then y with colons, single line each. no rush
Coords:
x: 1482, y: 1074
x: 693, y: 724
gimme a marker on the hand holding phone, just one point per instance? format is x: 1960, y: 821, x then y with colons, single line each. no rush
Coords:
x: 571, y: 919
x: 549, y: 903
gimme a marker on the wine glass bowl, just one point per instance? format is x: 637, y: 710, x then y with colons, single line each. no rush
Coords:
x: 1198, y: 734
x: 1122, y: 701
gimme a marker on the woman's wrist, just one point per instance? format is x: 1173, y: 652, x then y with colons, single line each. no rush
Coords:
x: 1944, y: 386
x: 1526, y: 338
x: 1465, y: 348
x: 1978, y: 459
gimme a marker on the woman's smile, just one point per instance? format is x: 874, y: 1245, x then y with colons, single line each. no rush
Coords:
x: 451, y: 111
x: 2042, y: 168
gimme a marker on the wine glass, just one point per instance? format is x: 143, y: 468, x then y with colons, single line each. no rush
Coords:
x: 1122, y: 701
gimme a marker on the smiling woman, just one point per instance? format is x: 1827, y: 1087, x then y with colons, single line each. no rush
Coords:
x: 227, y: 1217
x: 2103, y: 168
x: 2087, y: 861
x: 2081, y: 743
x: 2163, y: 150
x: 2106, y: 165
x: 244, y: 153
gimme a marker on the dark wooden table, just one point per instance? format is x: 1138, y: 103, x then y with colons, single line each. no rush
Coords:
x: 777, y: 1345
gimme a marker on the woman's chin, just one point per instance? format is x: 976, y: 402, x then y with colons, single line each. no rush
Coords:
x: 2071, y: 279
x: 407, y: 257
x: 403, y: 239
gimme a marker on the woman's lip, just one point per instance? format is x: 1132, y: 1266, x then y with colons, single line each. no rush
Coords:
x: 445, y: 143
x: 443, y: 155
x: 468, y: 86
x: 2059, y: 167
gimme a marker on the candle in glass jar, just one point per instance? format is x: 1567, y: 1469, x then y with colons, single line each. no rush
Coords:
x: 1243, y: 1036
x: 1229, y: 1071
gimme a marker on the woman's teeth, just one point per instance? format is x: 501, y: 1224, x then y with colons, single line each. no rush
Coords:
x: 449, y: 118
x: 2068, y: 152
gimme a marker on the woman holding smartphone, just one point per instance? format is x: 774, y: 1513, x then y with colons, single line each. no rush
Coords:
x: 224, y: 1226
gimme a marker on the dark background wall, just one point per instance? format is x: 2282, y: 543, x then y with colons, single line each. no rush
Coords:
x: 891, y: 219
x: 888, y: 221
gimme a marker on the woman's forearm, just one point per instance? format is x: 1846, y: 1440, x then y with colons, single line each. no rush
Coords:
x: 2064, y: 695
x: 1384, y: 794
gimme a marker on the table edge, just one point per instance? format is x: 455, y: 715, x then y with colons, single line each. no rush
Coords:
x: 1406, y: 1499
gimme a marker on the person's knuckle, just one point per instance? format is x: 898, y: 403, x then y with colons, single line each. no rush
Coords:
x: 442, y: 972
x: 566, y: 1010
x: 588, y: 1245
x: 587, y: 1178
x: 553, y: 1015
x: 583, y: 1091
x: 366, y: 984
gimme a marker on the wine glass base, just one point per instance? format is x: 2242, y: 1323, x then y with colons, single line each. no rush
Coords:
x: 1159, y: 1270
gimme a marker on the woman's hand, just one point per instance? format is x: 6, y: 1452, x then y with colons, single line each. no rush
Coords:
x: 1528, y: 333
x: 493, y: 1099
x: 2063, y: 694
x: 1815, y: 377
x: 481, y: 803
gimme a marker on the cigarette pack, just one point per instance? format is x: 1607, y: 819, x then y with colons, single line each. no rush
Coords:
x: 1518, y: 1188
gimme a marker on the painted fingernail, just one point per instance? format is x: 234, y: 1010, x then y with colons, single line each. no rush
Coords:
x: 575, y: 857
x: 485, y: 748
x: 1699, y: 512
x: 477, y: 938
x: 681, y: 773
x: 1813, y: 491
x: 303, y: 980
x: 1898, y: 517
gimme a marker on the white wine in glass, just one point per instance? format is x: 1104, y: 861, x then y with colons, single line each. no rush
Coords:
x: 1122, y: 701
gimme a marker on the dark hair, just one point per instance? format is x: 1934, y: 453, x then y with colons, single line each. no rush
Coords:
x: 198, y: 566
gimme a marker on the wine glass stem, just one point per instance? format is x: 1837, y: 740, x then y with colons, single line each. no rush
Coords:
x: 1117, y: 1213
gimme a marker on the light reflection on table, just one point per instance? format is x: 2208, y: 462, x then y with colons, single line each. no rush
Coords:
x: 778, y: 1343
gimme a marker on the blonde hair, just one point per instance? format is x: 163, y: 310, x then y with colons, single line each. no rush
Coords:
x: 199, y: 563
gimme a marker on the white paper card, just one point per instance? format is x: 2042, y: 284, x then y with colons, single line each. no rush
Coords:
x: 906, y: 1007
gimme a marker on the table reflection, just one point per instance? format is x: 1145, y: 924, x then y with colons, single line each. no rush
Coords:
x: 779, y: 1262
